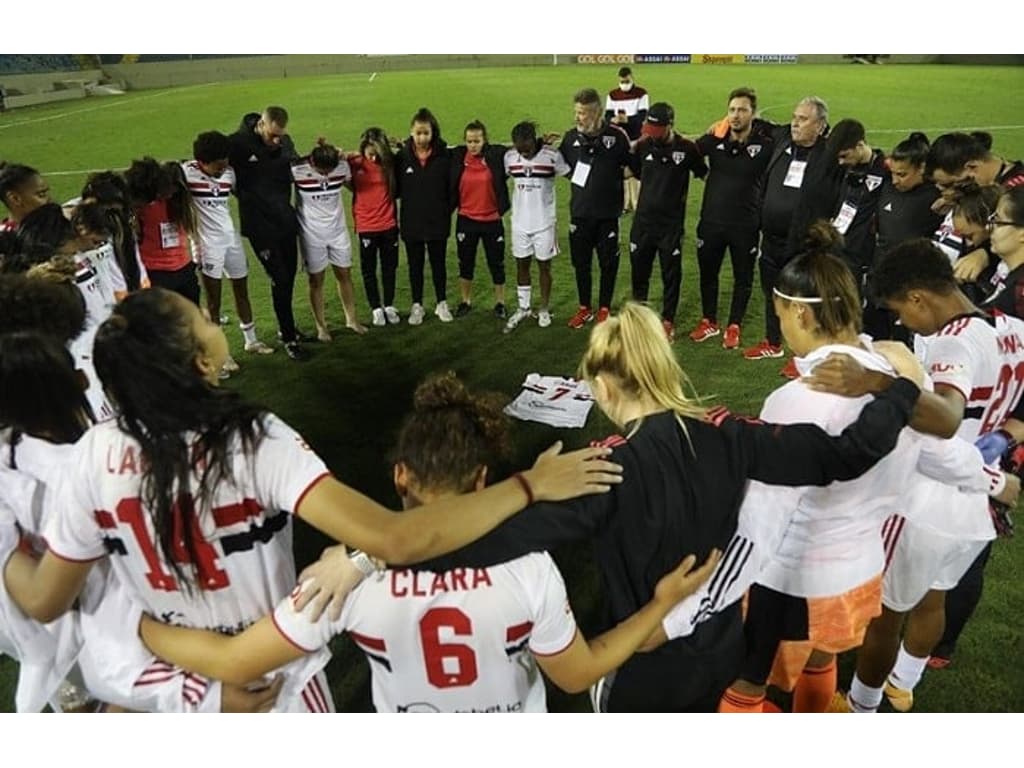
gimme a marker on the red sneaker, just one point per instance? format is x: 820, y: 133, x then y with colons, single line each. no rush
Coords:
x: 670, y: 330
x: 705, y: 330
x: 602, y: 314
x: 763, y: 350
x: 581, y: 318
x: 789, y: 370
x: 732, y: 337
x: 938, y: 662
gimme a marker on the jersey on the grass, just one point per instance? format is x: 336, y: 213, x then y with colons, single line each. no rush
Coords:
x: 210, y: 197
x: 321, y: 214
x: 533, y: 187
x: 554, y: 400
x: 455, y: 641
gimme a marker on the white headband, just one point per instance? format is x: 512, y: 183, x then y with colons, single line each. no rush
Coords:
x: 802, y: 299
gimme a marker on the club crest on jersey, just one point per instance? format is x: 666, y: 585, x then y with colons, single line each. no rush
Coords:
x: 460, y: 236
x: 324, y: 184
x: 754, y: 150
x: 527, y: 171
x: 678, y: 157
x: 609, y: 141
x: 872, y: 182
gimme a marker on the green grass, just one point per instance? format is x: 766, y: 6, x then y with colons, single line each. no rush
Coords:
x: 349, y: 399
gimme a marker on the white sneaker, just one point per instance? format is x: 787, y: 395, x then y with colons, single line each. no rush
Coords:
x: 442, y: 312
x: 516, y: 318
x: 392, y: 315
x: 230, y: 365
x: 378, y: 317
x: 258, y: 348
x: 416, y: 314
x: 544, y: 318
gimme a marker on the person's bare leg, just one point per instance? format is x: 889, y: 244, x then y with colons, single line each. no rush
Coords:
x: 316, y: 301
x: 343, y: 277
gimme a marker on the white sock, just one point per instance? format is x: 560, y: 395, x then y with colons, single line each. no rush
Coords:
x: 248, y: 332
x: 523, y: 292
x: 906, y: 672
x: 863, y: 698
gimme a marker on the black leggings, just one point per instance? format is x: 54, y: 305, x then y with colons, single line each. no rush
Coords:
x: 182, y: 281
x: 280, y: 260
x: 667, y: 246
x: 586, y: 236
x: 416, y: 251
x: 370, y: 244
x: 712, y: 240
x: 468, y: 233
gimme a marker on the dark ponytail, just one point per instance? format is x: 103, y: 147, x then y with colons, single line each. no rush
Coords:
x: 913, y: 150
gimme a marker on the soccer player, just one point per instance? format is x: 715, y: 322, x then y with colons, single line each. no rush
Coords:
x: 597, y: 152
x: 686, y: 470
x: 663, y: 160
x: 373, y: 210
x: 626, y: 106
x: 730, y: 213
x: 261, y: 155
x: 465, y: 640
x: 480, y: 193
x: 217, y: 246
x: 189, y: 492
x: 422, y: 173
x: 22, y: 190
x: 108, y: 190
x: 533, y: 165
x: 972, y: 358
x: 324, y: 231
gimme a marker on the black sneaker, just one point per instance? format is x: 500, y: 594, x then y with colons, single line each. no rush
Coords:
x: 295, y: 351
x: 300, y: 337
x: 499, y: 311
x: 463, y: 309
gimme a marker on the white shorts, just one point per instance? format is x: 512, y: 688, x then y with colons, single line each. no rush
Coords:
x: 218, y: 261
x: 317, y: 255
x: 542, y: 245
x: 923, y: 560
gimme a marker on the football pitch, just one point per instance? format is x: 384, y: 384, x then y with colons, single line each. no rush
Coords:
x: 349, y: 399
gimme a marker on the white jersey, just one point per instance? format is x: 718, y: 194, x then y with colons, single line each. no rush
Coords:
x: 533, y: 187
x: 456, y: 641
x: 824, y: 541
x: 210, y: 197
x: 948, y: 240
x: 96, y: 281
x: 321, y: 214
x: 554, y: 400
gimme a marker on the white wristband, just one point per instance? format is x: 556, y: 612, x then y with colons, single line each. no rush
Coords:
x: 363, y: 563
x: 996, y: 481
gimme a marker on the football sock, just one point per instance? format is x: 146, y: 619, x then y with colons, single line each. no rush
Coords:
x: 815, y: 688
x: 734, y: 701
x: 906, y: 672
x: 248, y: 332
x: 523, y: 292
x: 863, y: 698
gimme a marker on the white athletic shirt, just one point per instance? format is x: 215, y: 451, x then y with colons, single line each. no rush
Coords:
x: 245, y: 548
x: 556, y: 400
x: 533, y: 187
x: 96, y: 280
x: 457, y: 641
x: 321, y: 214
x: 210, y: 197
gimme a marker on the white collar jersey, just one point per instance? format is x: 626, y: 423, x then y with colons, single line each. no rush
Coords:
x: 458, y: 641
x: 533, y: 187
x: 318, y: 201
x: 210, y: 196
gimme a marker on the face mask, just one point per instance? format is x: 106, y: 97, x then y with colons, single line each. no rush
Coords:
x: 625, y: 87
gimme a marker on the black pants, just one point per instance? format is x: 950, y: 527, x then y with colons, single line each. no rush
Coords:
x: 773, y: 259
x: 712, y: 240
x: 586, y: 236
x: 468, y: 233
x: 183, y: 281
x: 280, y: 260
x: 771, y: 618
x: 386, y: 244
x: 961, y: 602
x: 416, y: 251
x: 683, y: 675
x: 644, y: 245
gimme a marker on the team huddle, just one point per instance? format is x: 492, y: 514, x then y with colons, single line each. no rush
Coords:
x: 146, y: 512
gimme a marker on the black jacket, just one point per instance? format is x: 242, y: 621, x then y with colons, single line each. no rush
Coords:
x: 779, y: 202
x: 263, y: 183
x: 424, y: 191
x: 494, y: 156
